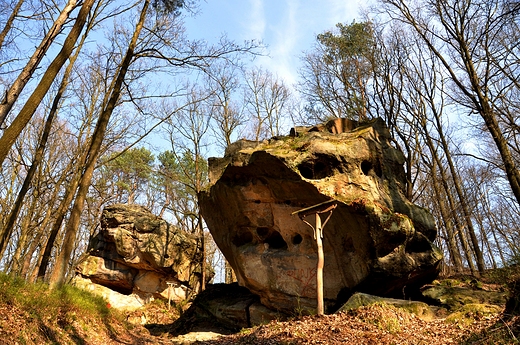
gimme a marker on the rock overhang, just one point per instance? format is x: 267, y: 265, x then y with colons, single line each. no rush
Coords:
x: 256, y: 188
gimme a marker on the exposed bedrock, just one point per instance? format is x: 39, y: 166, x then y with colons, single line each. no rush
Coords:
x: 376, y: 240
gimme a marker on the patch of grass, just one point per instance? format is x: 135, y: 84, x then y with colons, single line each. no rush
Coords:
x: 299, y: 311
x: 38, y: 297
x: 246, y: 331
x: 52, y: 316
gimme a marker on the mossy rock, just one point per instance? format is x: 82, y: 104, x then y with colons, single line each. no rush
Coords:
x: 455, y: 297
x: 419, y: 309
x: 471, y: 312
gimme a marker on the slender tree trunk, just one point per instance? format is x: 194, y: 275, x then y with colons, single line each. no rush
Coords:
x: 453, y: 249
x: 493, y: 228
x: 38, y: 237
x: 5, y: 232
x: 512, y: 172
x: 22, y: 240
x: 485, y: 109
x: 455, y: 21
x: 11, y: 95
x: 60, y: 216
x: 449, y: 196
x: 462, y: 199
x: 7, y: 27
x: 16, y: 127
x: 60, y: 269
x: 24, y: 270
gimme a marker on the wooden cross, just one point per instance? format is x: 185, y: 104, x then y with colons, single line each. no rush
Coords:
x: 170, y: 284
x: 318, y: 209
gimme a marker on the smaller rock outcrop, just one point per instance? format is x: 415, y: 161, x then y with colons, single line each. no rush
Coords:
x: 137, y: 256
x: 420, y: 309
x: 225, y: 308
x: 454, y: 294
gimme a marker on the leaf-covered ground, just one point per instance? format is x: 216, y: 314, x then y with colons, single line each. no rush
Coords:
x: 31, y: 314
x: 379, y: 325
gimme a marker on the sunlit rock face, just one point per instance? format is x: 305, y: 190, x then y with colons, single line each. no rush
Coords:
x: 138, y: 253
x: 376, y: 240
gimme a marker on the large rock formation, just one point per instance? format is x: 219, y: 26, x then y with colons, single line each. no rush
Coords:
x: 141, y: 257
x: 376, y: 240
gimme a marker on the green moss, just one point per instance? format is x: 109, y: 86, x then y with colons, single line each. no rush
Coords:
x: 471, y: 312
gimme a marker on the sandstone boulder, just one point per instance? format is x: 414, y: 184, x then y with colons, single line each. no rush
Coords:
x: 224, y: 308
x: 376, y: 240
x: 453, y: 295
x: 420, y: 309
x: 140, y: 255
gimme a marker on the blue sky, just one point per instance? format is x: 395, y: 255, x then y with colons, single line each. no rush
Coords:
x: 288, y: 27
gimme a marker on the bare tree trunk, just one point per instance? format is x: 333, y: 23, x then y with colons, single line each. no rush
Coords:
x: 462, y: 198
x: 71, y: 229
x: 7, y: 27
x: 16, y: 127
x: 493, y: 228
x: 24, y: 270
x: 45, y: 254
x: 22, y: 240
x: 458, y: 27
x: 5, y: 232
x: 449, y: 196
x: 16, y: 88
x: 453, y: 249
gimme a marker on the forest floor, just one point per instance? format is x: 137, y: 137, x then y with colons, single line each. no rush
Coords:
x: 32, y: 314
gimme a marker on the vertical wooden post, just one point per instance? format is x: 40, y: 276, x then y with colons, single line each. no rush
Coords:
x: 324, y: 207
x: 170, y: 284
x: 319, y: 270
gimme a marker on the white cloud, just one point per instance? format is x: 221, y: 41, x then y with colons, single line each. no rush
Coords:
x: 291, y: 29
x: 256, y: 22
x: 343, y: 11
x: 285, y: 45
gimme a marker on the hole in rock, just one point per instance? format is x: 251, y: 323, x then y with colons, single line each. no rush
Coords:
x: 122, y: 290
x: 257, y: 201
x: 242, y: 238
x: 276, y: 241
x: 306, y: 171
x: 320, y: 169
x: 366, y: 166
x: 321, y: 166
x: 287, y: 202
x: 418, y: 244
x: 297, y: 239
x: 262, y: 231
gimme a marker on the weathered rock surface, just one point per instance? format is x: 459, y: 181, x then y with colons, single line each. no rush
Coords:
x: 225, y: 308
x: 420, y: 309
x: 453, y: 295
x: 140, y: 257
x: 376, y: 240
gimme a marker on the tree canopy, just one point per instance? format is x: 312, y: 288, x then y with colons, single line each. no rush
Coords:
x: 115, y: 103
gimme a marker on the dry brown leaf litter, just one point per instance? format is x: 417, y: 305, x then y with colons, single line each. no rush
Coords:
x: 373, y: 325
